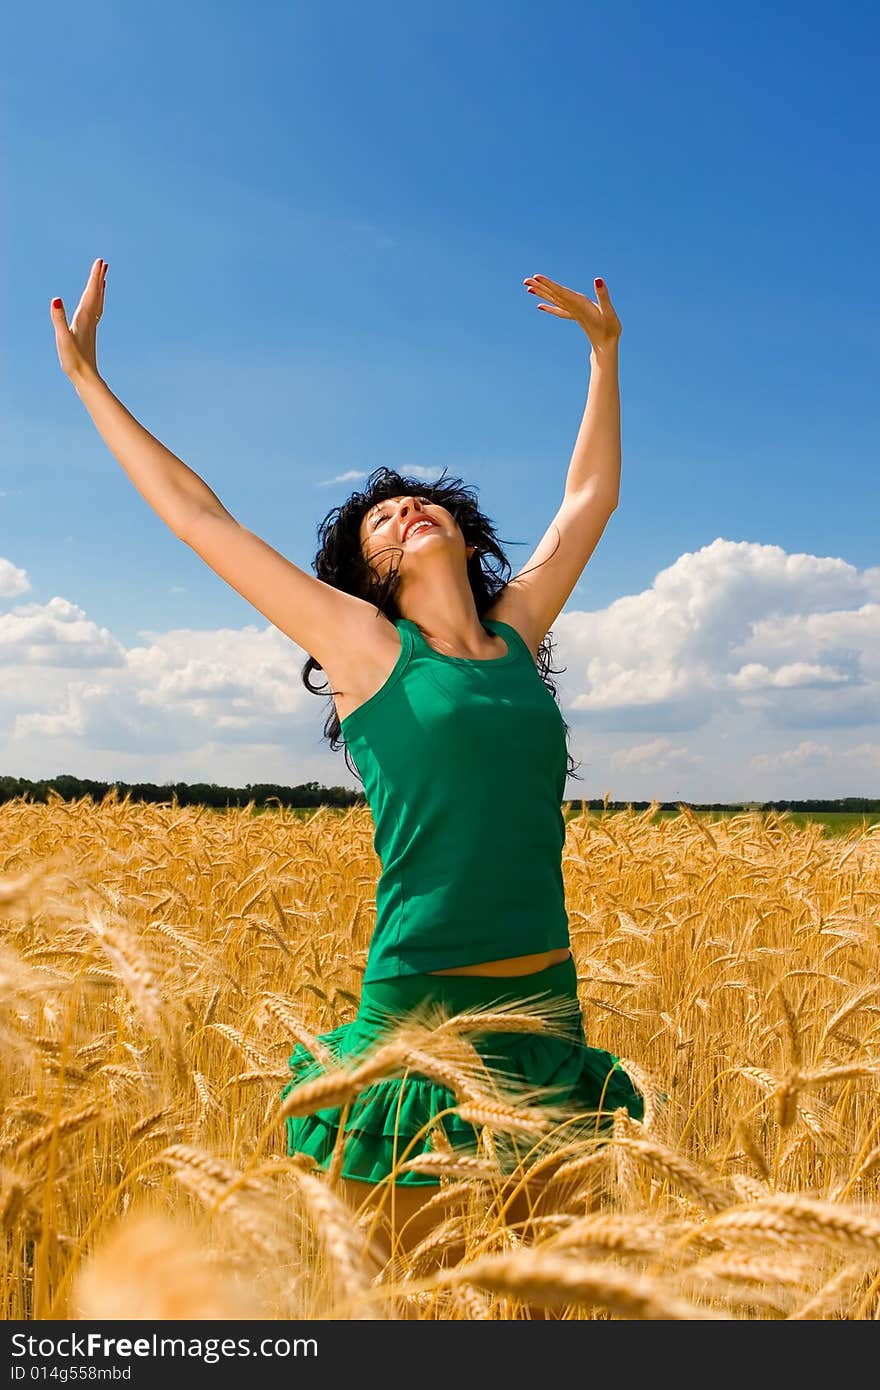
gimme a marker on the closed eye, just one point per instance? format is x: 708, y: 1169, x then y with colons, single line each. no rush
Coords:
x: 383, y: 516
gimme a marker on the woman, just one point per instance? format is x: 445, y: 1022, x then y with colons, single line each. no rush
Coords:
x: 455, y: 733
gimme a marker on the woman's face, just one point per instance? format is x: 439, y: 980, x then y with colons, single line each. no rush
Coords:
x: 397, y: 528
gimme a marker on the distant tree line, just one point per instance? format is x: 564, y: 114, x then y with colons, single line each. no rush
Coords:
x: 72, y: 788
x: 308, y: 794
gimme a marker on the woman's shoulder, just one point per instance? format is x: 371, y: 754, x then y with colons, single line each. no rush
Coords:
x: 509, y: 608
x: 362, y: 668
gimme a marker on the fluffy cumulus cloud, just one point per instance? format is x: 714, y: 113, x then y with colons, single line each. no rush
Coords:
x: 13, y: 581
x: 743, y: 672
x: 56, y: 633
x: 732, y: 627
x: 183, y: 705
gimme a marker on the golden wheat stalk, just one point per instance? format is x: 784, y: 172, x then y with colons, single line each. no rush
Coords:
x: 752, y: 1149
x: 647, y: 1088
x: 281, y: 1011
x: 208, y: 1015
x: 130, y: 1075
x: 767, y: 1080
x: 850, y: 1071
x: 749, y: 1267
x: 222, y: 1188
x: 190, y: 1160
x: 793, y: 1216
x: 488, y: 1148
x: 447, y: 1233
x: 253, y: 1078
x: 870, y: 1163
x: 326, y: 1092
x: 830, y: 1298
x: 444, y: 1074
x: 473, y: 1305
x: 617, y: 1231
x: 510, y: 1118
x: 555, y: 1281
x: 208, y: 1100
x: 651, y: 905
x: 382, y: 1062
x: 250, y: 1053
x: 676, y: 1168
x: 93, y: 1052
x: 186, y: 943
x: 131, y: 967
x: 847, y: 1009
x: 456, y: 1194
x: 225, y: 1179
x: 150, y: 1121
x: 495, y: 1021
x: 343, y: 1241
x: 337, y: 1158
x: 452, y: 1166
x: 543, y: 1166
x: 95, y: 975
x: 13, y: 1196
x: 785, y: 1098
x: 439, y: 1139
x: 64, y: 1127
x: 573, y: 1169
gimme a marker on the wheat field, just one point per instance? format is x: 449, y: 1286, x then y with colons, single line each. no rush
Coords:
x: 158, y: 964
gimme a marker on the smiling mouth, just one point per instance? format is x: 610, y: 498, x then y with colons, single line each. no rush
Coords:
x: 419, y: 527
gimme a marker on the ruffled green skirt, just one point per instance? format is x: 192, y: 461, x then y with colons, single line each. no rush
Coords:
x: 384, y: 1119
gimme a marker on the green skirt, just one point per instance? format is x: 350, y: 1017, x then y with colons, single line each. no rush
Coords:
x: 380, y: 1124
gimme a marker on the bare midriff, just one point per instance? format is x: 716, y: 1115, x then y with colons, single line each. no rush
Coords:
x: 514, y: 965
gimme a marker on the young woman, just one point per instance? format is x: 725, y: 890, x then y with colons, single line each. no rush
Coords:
x: 455, y: 732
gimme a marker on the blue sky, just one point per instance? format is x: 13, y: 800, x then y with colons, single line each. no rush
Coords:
x: 318, y: 220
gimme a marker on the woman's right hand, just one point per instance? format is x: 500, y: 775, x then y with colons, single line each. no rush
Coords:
x: 77, y: 344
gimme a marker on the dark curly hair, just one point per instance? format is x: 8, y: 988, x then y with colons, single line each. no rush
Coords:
x: 340, y: 562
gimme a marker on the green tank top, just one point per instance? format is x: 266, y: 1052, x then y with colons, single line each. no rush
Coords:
x: 464, y: 765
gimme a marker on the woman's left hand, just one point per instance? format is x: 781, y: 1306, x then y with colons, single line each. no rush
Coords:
x: 599, y: 321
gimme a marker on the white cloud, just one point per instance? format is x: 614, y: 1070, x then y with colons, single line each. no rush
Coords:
x: 161, y: 697
x: 806, y: 754
x: 202, y: 672
x: 353, y: 475
x: 13, y: 581
x: 736, y: 625
x: 740, y: 673
x: 754, y: 676
x: 56, y: 633
x: 655, y: 756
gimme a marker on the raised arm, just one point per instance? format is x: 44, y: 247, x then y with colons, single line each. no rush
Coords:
x: 324, y: 621
x: 173, y: 490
